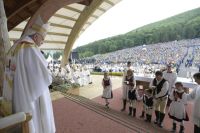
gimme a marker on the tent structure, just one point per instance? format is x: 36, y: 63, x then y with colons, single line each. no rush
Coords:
x: 49, y: 59
x: 60, y: 58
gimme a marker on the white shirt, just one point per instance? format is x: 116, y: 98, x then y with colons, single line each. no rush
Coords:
x: 171, y: 78
x: 195, y: 95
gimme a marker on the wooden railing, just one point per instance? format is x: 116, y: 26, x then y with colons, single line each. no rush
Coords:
x: 15, y: 123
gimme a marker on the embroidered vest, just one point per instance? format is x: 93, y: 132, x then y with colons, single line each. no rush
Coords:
x: 180, y: 94
x: 106, y: 82
x: 132, y: 94
x: 148, y: 101
x: 159, y: 86
x: 130, y: 80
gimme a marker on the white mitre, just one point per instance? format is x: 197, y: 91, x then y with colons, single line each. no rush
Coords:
x: 38, y: 27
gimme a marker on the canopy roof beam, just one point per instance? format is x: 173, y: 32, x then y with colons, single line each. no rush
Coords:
x: 72, y: 9
x: 46, y: 41
x: 60, y: 26
x: 109, y: 2
x: 64, y: 17
x: 49, y: 33
x: 83, y: 18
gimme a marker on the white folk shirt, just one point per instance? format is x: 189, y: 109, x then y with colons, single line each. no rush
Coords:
x: 195, y: 95
x: 28, y: 79
x: 171, y: 78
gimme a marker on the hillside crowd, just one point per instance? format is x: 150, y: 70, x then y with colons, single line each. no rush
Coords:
x: 150, y: 56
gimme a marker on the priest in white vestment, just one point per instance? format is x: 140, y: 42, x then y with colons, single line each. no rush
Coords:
x: 28, y: 77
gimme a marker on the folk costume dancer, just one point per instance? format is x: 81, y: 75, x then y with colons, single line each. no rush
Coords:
x: 160, y: 91
x: 130, y: 85
x: 177, y: 109
x: 124, y: 87
x: 107, y: 88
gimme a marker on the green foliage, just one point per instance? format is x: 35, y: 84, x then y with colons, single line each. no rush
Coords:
x: 46, y: 55
x: 75, y: 85
x: 62, y: 87
x: 56, y: 55
x: 182, y: 26
x: 110, y: 73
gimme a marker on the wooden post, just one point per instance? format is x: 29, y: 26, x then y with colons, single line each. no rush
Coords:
x: 25, y: 125
x: 4, y: 43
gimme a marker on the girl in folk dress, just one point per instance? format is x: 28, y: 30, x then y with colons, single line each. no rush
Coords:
x: 177, y: 110
x: 132, y: 92
x: 132, y: 97
x: 107, y: 88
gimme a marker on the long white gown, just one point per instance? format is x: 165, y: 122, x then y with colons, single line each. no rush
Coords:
x: 29, y: 79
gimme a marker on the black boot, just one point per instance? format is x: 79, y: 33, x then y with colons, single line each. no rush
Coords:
x: 148, y: 118
x: 130, y: 110
x: 162, y: 116
x: 142, y: 115
x: 157, y: 117
x: 181, y: 129
x: 134, y: 112
x: 173, y: 128
x: 124, y: 105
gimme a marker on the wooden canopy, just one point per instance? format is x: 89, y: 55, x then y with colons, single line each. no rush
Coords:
x: 68, y: 19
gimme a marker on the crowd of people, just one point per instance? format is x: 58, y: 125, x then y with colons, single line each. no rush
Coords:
x: 71, y: 73
x: 150, y: 57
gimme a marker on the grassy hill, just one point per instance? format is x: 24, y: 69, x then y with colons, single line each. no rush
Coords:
x: 182, y: 26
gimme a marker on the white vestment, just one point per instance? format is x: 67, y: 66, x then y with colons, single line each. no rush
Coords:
x: 171, y: 78
x: 88, y: 77
x: 29, y: 79
x: 195, y: 95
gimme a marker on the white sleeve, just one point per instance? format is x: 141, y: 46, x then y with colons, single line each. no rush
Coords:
x: 171, y: 97
x: 110, y: 83
x: 184, y: 99
x: 174, y: 80
x: 123, y: 79
x: 151, y: 84
x: 102, y: 83
x: 134, y: 81
x: 192, y: 95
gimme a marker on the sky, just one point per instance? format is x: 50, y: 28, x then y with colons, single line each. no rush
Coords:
x: 128, y: 15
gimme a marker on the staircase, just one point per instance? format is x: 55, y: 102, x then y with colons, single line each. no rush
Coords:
x: 135, y: 124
